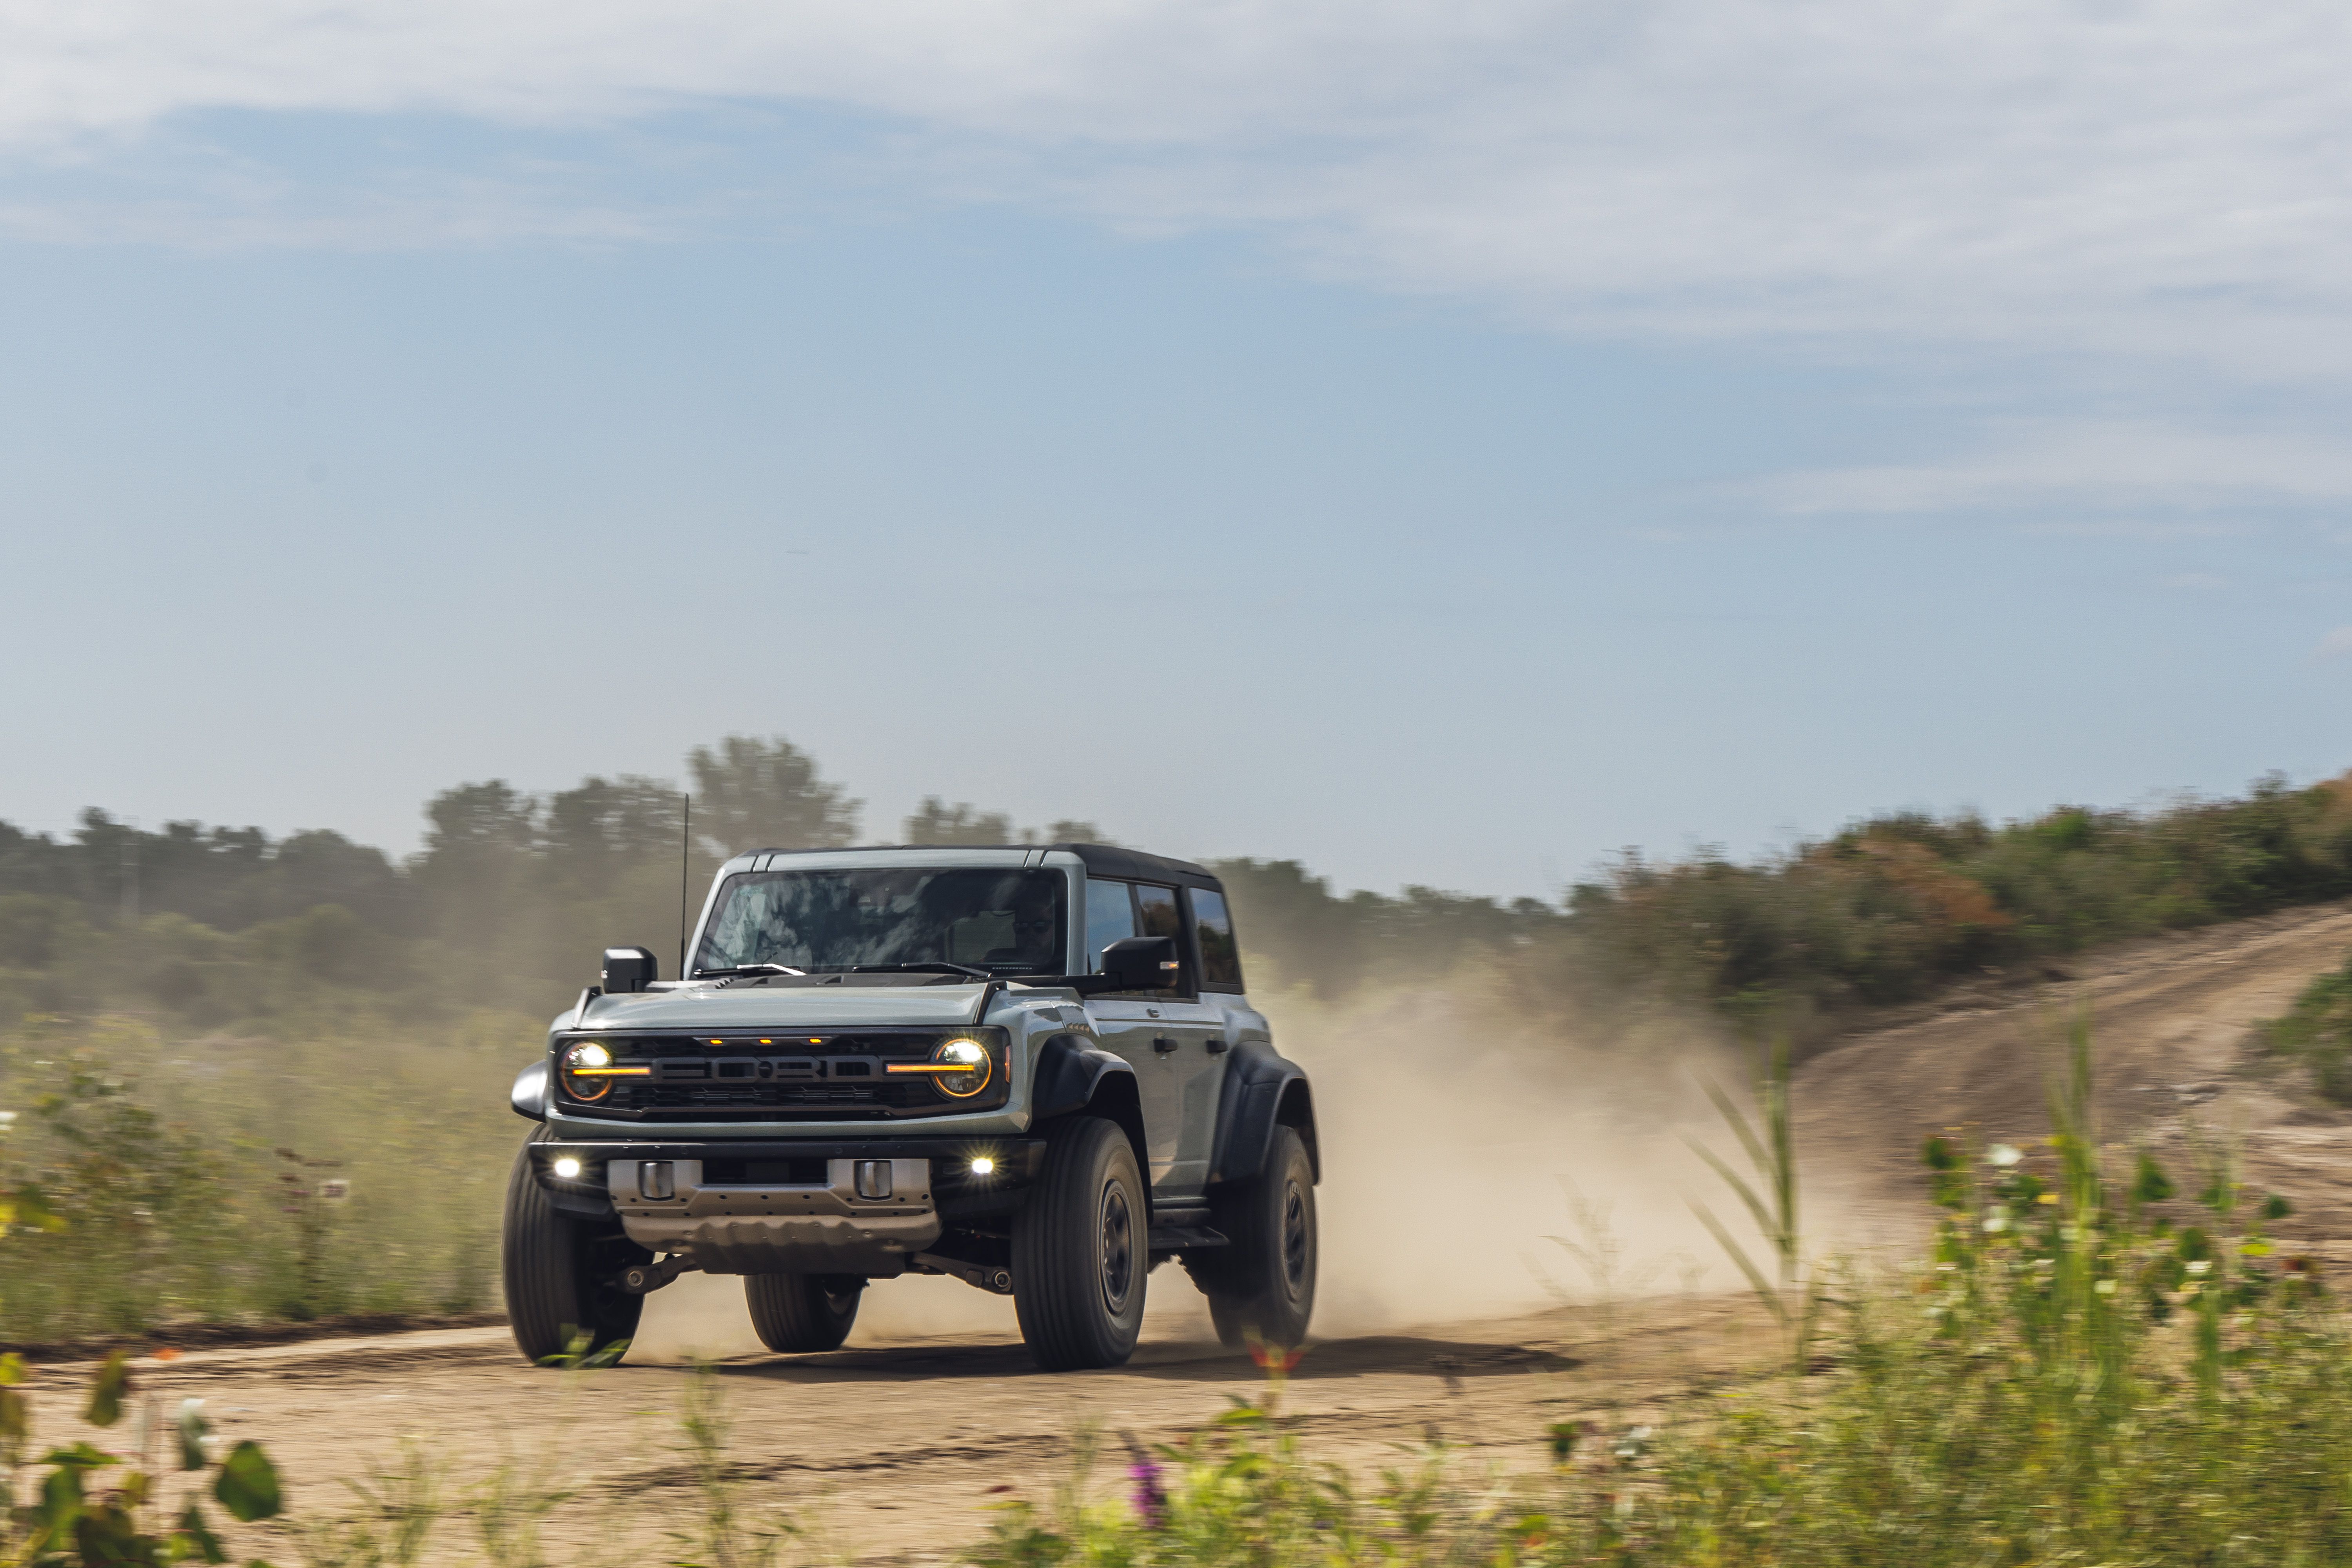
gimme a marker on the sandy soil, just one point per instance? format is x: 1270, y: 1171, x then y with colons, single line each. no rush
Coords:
x: 894, y: 1455
x: 895, y: 1446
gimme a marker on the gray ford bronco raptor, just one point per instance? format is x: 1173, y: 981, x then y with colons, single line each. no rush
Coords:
x: 1034, y: 1070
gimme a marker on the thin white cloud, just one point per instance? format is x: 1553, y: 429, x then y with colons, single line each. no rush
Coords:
x: 2104, y: 465
x: 2143, y: 175
x: 2335, y: 644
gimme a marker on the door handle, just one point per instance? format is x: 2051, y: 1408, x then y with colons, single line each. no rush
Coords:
x: 1162, y: 1044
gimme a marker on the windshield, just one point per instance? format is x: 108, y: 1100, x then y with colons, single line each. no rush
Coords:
x: 1005, y: 921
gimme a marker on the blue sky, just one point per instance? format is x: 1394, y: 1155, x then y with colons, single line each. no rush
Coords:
x: 1442, y: 450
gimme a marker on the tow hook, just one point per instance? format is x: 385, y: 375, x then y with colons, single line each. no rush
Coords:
x: 980, y: 1276
x: 644, y: 1279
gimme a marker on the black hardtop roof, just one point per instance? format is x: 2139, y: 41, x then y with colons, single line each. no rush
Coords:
x: 1101, y: 860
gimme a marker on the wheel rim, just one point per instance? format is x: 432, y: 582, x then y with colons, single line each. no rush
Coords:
x: 1297, y: 1239
x: 1118, y: 1248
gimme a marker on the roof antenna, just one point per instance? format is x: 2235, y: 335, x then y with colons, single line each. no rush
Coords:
x: 685, y: 837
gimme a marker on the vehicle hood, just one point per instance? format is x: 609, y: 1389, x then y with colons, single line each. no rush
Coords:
x: 760, y: 1007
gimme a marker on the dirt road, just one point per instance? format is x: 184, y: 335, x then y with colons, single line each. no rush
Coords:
x: 894, y: 1447
x: 893, y: 1455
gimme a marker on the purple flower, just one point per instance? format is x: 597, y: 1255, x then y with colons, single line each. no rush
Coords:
x: 1149, y: 1496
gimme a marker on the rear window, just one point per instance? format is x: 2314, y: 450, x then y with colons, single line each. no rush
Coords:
x: 1221, y: 956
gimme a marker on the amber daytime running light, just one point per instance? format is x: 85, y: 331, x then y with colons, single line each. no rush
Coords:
x: 588, y: 1072
x: 959, y: 1068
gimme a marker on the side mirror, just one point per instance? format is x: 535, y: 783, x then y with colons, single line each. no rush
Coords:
x: 629, y: 969
x: 1140, y: 964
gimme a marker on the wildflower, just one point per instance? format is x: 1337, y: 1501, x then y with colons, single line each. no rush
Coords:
x: 1149, y: 1496
x: 2104, y: 1287
x: 167, y: 1353
x: 1996, y: 1221
x: 2197, y: 1266
x: 1273, y: 1357
x: 2003, y: 1155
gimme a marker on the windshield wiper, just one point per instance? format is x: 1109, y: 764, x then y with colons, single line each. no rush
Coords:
x: 748, y: 969
x: 939, y: 968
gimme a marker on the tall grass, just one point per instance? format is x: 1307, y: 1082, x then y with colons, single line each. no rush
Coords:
x: 159, y: 1179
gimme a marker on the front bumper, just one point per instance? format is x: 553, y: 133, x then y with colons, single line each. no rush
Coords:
x: 776, y: 1227
x: 740, y: 1207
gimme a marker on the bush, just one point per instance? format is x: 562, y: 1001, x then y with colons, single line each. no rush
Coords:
x: 2317, y: 1033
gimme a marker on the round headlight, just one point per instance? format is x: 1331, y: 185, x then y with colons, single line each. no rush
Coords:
x: 966, y: 1054
x: 589, y: 1085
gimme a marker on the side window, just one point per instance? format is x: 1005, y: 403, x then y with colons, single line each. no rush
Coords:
x: 1111, y: 916
x: 1156, y: 907
x: 1221, y: 956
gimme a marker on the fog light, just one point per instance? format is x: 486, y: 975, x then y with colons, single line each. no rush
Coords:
x: 566, y: 1166
x: 983, y: 1165
x: 874, y: 1178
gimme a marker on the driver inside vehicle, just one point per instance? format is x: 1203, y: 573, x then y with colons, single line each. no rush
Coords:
x: 1037, y: 930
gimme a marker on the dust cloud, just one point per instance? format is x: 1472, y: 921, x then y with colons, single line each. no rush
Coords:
x: 1483, y: 1158
x: 1483, y: 1155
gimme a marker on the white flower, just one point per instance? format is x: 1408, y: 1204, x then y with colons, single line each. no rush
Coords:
x: 2199, y: 1267
x: 2104, y: 1287
x: 2003, y: 1155
x: 1997, y: 1221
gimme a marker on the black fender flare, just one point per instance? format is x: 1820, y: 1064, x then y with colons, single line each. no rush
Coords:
x: 1262, y: 1091
x: 1074, y: 1075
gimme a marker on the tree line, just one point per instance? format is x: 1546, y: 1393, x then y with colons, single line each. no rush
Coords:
x: 512, y: 893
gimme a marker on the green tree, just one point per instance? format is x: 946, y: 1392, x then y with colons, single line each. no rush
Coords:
x: 937, y: 822
x: 752, y: 794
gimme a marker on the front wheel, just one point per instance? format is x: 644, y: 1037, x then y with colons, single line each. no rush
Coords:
x: 1261, y: 1285
x: 1081, y: 1247
x: 559, y: 1272
x: 797, y: 1313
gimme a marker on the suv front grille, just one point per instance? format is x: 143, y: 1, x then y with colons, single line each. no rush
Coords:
x: 832, y: 1076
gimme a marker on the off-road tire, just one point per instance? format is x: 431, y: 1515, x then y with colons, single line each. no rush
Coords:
x: 558, y: 1272
x: 1261, y: 1286
x: 1081, y: 1247
x: 798, y: 1314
